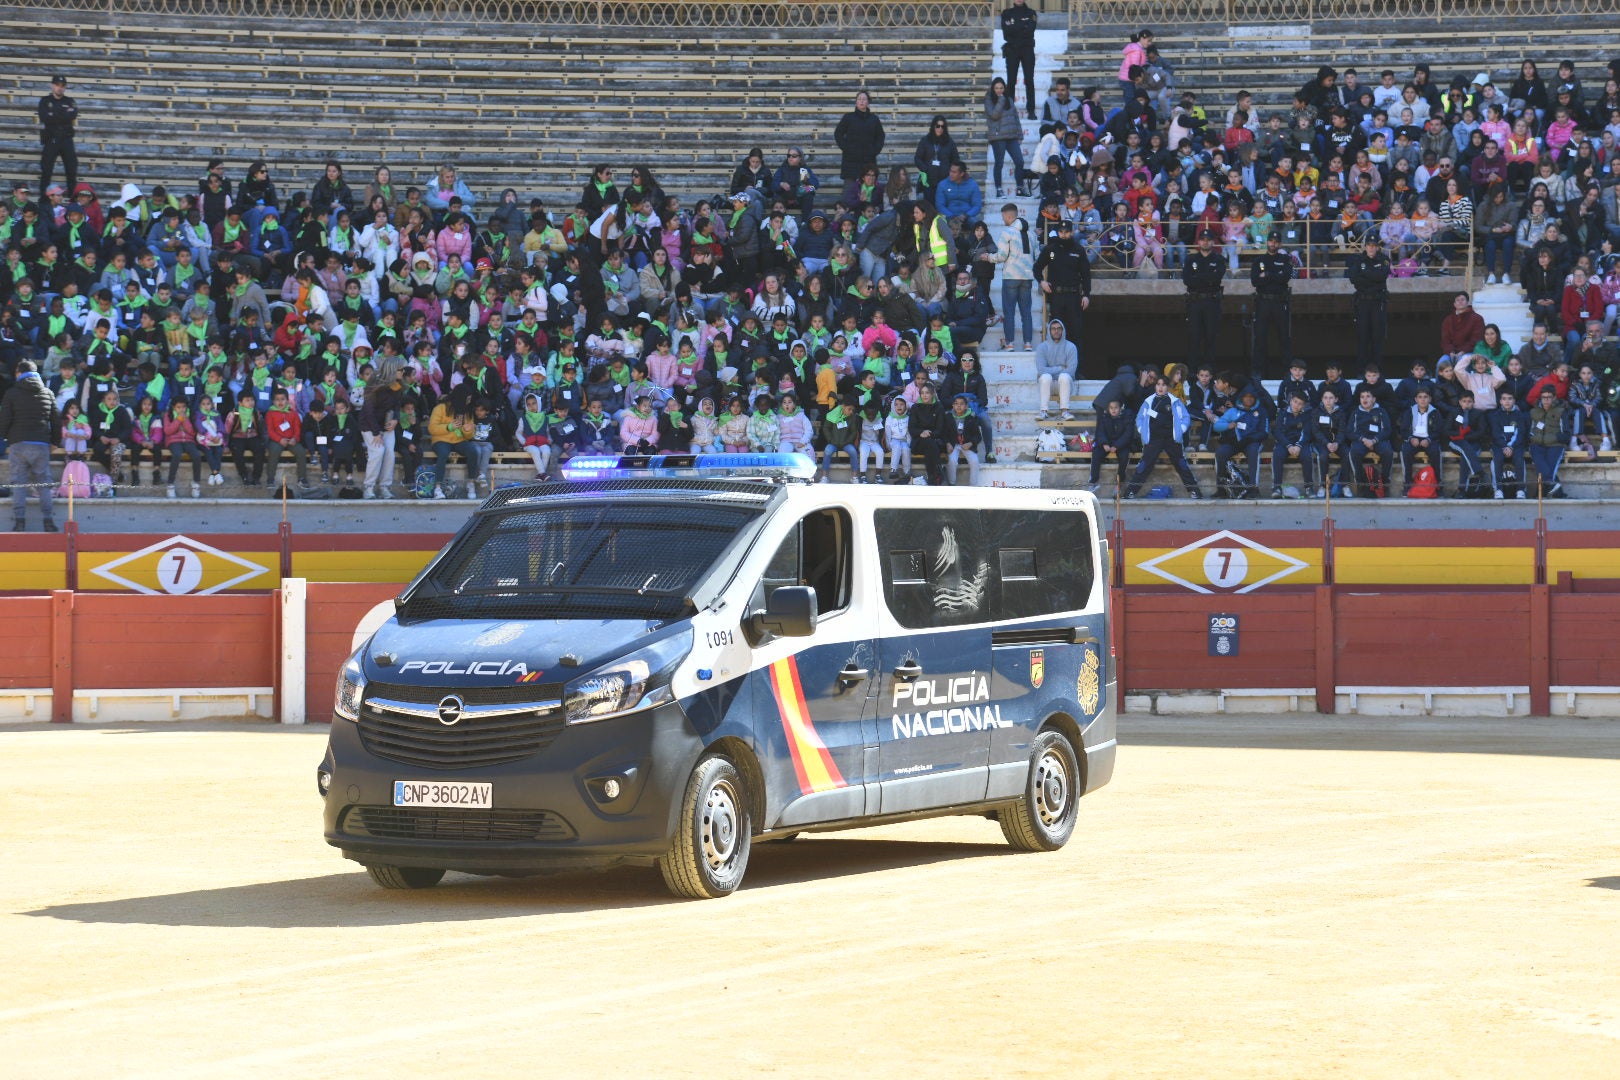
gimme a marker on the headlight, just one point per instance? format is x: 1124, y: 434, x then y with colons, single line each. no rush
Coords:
x: 640, y: 681
x: 351, y: 688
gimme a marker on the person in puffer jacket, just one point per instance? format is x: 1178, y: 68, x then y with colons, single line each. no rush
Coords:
x: 796, y: 433
x: 706, y: 428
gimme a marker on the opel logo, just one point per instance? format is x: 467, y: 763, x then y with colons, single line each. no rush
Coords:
x: 450, y: 710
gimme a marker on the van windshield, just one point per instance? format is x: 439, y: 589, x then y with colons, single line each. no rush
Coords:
x: 589, y: 560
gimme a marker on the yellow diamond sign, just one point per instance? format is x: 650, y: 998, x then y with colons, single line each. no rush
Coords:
x: 1223, y: 562
x: 181, y: 566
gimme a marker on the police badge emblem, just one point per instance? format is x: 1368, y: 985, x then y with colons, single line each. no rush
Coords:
x: 1089, y: 688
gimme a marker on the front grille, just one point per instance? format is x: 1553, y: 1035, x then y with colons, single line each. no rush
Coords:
x: 473, y: 695
x: 475, y: 741
x: 471, y: 826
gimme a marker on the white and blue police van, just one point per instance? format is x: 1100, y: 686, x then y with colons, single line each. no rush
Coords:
x: 662, y: 660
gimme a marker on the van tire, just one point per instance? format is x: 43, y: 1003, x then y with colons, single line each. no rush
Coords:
x: 1044, y: 818
x: 404, y: 877
x: 708, y: 854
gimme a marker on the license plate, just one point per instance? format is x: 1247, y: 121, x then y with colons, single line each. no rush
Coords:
x: 458, y: 795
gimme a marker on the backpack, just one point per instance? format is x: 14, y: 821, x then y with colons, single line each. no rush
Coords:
x: 424, y: 482
x: 75, y: 481
x: 1373, y: 480
x: 1424, y: 484
x: 101, y: 486
x: 1407, y: 267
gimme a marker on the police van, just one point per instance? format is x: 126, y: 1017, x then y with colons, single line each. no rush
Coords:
x: 662, y: 660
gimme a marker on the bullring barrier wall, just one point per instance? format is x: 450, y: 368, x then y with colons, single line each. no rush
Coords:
x: 1519, y: 622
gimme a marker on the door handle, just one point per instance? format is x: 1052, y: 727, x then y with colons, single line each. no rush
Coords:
x: 909, y: 671
x: 852, y: 675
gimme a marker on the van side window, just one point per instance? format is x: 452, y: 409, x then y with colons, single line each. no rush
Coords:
x: 959, y: 567
x: 815, y: 553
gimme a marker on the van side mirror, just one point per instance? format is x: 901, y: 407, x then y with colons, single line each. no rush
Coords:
x: 790, y: 612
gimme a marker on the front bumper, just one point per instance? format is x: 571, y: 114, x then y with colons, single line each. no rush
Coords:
x: 549, y: 811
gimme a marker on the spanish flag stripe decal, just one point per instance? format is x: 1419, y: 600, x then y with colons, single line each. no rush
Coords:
x: 812, y: 762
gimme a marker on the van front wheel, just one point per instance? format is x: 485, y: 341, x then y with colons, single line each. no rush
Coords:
x: 708, y: 854
x: 1044, y: 819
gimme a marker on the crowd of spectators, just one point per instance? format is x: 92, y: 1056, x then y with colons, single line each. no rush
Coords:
x: 371, y: 329
x: 1425, y: 165
x: 1488, y: 410
x: 358, y: 327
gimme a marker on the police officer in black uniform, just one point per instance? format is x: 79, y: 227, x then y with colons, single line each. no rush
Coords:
x: 1018, y: 48
x: 57, y: 115
x: 1270, y: 275
x: 1065, y: 276
x: 1368, y: 274
x: 1202, y: 274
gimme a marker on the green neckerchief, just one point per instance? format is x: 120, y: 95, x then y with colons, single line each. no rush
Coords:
x: 342, y: 420
x: 677, y: 419
x: 244, y: 418
x: 535, y: 420
x: 73, y: 233
x: 602, y: 186
x: 559, y: 417
x: 54, y: 325
x: 456, y: 331
x: 386, y: 191
x: 183, y: 274
x: 261, y: 377
x: 782, y: 336
x: 269, y: 224
x: 736, y: 216
x: 836, y: 415
x: 230, y: 232
x: 107, y: 414
x: 867, y: 191
x: 346, y: 235
x: 790, y: 412
x: 198, y: 333
x: 156, y: 387
x: 145, y: 421
x: 241, y: 290
x: 838, y: 266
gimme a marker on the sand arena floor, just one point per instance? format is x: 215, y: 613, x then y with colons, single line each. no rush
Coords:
x: 1250, y: 897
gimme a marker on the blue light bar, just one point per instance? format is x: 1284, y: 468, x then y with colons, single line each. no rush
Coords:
x: 798, y: 466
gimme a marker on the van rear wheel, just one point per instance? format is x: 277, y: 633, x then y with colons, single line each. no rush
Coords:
x: 1044, y: 819
x: 404, y: 877
x: 708, y: 854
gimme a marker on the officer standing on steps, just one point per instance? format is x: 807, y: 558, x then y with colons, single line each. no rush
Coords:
x: 1270, y: 275
x: 57, y: 115
x: 1202, y: 274
x: 1018, y: 47
x: 1368, y: 274
x: 1065, y: 276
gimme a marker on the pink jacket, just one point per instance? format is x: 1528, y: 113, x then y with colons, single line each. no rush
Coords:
x: 633, y: 429
x: 154, y: 438
x: 452, y: 242
x: 884, y: 335
x: 178, y: 431
x: 1134, y: 53
x: 661, y: 369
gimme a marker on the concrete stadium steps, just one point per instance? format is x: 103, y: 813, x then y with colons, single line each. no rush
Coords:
x: 528, y: 112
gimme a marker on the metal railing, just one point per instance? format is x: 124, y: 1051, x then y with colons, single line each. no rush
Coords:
x: 675, y: 14
x: 1165, y: 15
x: 1318, y: 257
